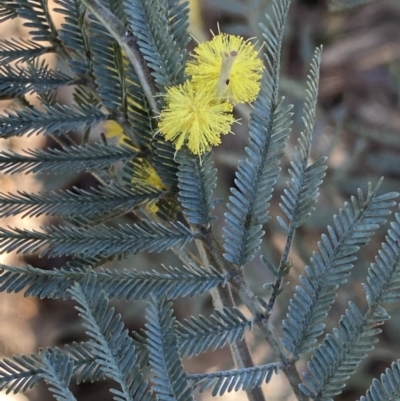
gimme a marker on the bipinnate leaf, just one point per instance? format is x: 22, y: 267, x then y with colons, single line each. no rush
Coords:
x: 86, y: 368
x: 338, y: 356
x: 194, y: 336
x: 17, y: 81
x: 36, y: 16
x: 20, y: 373
x: 100, y: 240
x: 235, y: 379
x: 386, y: 389
x: 256, y: 176
x: 196, y: 182
x: 54, y: 120
x: 299, y: 199
x: 172, y: 282
x: 198, y: 334
x: 383, y: 281
x: 110, y: 343
x: 19, y: 49
x: 73, y: 34
x: 161, y: 38
x: 170, y: 380
x: 74, y: 158
x: 78, y: 202
x: 8, y: 10
x: 57, y: 371
x: 329, y: 268
x: 108, y: 68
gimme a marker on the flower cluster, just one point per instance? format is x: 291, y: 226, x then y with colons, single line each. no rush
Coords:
x: 224, y: 71
x: 114, y: 130
x: 143, y: 172
x: 195, y: 118
x: 228, y: 66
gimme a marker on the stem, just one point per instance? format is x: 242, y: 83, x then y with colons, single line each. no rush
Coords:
x: 224, y: 75
x: 238, y: 282
x: 88, y: 81
x: 270, y: 334
x: 222, y: 297
x: 128, y: 43
x: 278, y: 280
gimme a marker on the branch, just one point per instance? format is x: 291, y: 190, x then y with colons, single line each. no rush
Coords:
x: 214, y: 254
x: 222, y: 297
x: 289, y: 367
x: 129, y: 44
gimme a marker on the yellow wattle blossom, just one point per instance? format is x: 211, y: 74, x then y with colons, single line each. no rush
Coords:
x: 113, y: 129
x: 194, y: 117
x: 145, y: 174
x: 228, y: 66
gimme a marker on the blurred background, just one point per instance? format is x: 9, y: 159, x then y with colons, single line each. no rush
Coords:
x: 357, y: 127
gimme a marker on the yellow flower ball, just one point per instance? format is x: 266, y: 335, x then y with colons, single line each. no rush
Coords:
x: 194, y: 117
x: 113, y: 129
x: 228, y: 66
x: 145, y: 174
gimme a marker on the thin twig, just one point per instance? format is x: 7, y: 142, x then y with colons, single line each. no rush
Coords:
x: 276, y: 286
x: 128, y: 43
x: 222, y: 297
x: 238, y: 282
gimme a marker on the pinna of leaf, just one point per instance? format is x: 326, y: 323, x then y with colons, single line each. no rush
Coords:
x: 225, y: 70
